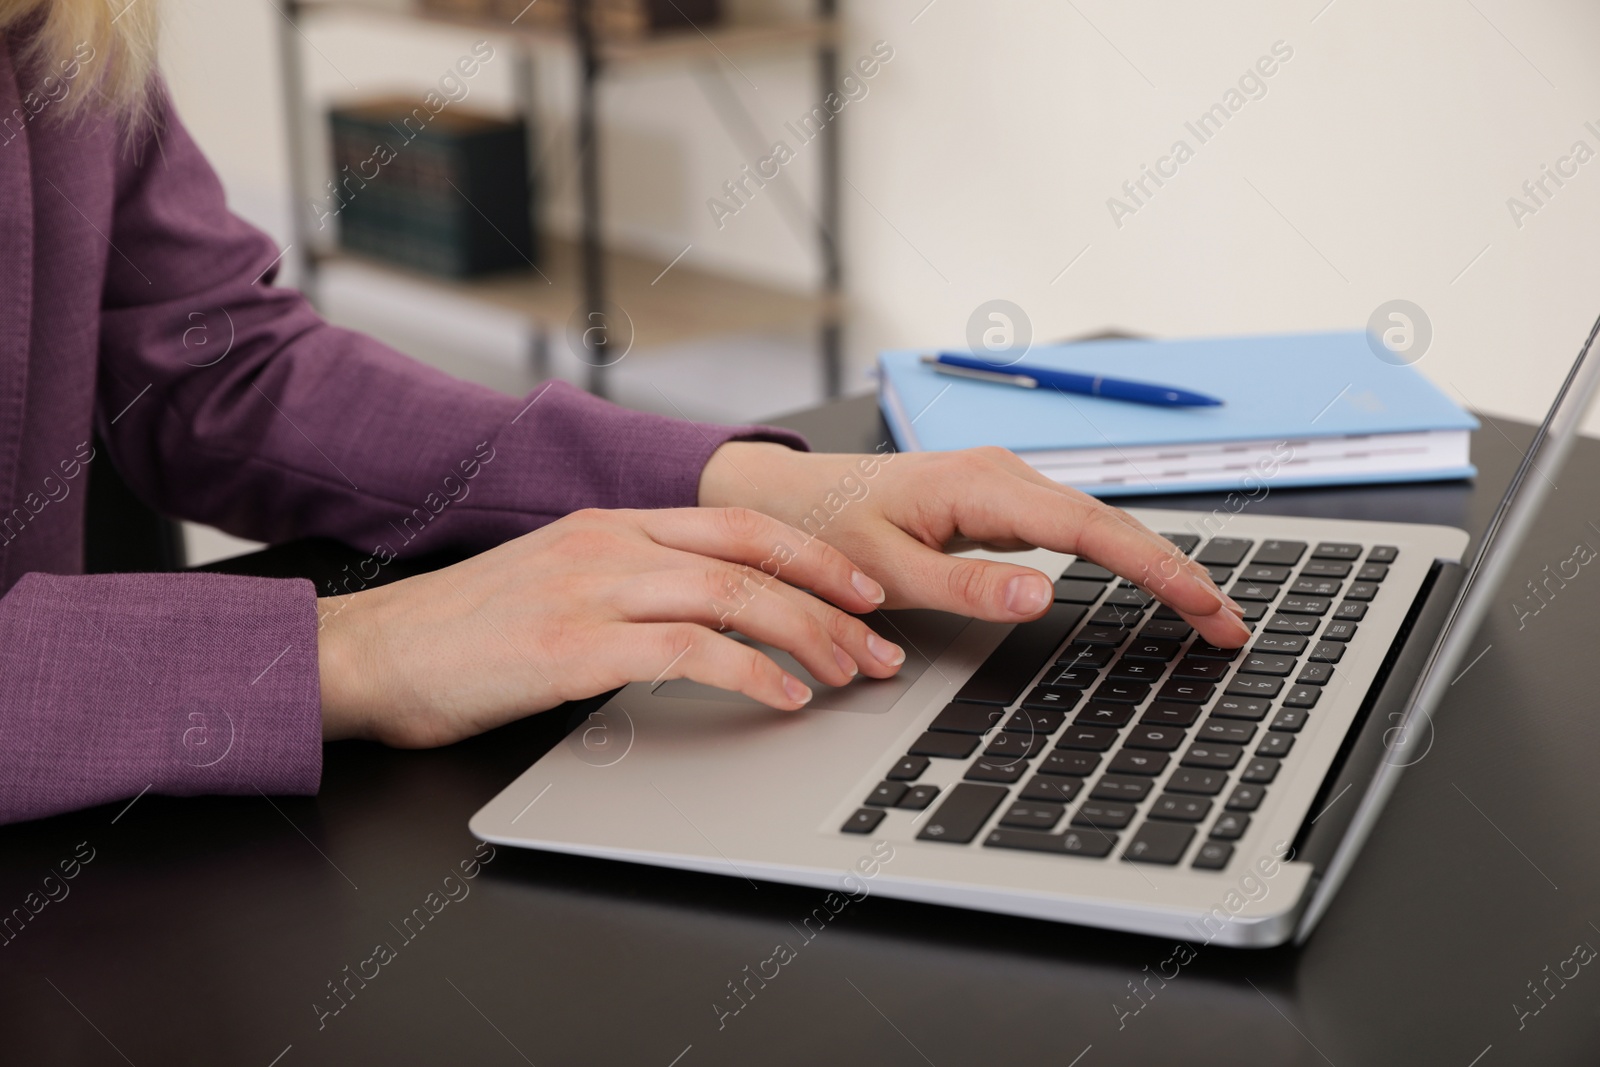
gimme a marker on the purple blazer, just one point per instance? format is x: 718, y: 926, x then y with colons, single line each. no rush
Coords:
x: 132, y: 304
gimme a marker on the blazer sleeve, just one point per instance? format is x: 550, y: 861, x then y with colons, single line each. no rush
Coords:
x: 227, y: 400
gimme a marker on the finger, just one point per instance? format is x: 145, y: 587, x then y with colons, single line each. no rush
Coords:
x: 998, y: 509
x: 691, y: 651
x: 831, y: 644
x: 983, y: 589
x: 739, y: 535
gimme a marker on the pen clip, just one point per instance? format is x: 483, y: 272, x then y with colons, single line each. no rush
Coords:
x: 998, y: 377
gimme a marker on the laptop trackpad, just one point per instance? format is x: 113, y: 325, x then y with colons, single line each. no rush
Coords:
x: 923, y: 634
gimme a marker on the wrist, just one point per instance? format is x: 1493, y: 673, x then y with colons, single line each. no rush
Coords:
x: 341, y: 669
x: 743, y: 474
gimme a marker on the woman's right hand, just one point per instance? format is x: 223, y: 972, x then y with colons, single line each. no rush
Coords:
x: 589, y: 603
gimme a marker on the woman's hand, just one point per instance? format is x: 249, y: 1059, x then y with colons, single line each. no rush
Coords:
x: 586, y: 604
x: 894, y: 515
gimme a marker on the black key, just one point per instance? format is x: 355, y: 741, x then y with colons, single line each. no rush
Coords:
x: 1104, y: 636
x: 1258, y: 573
x: 1316, y: 587
x: 1254, y: 591
x: 1071, y: 843
x: 1185, y: 542
x: 864, y: 821
x: 1372, y: 572
x: 1155, y: 738
x: 1229, y: 827
x: 1226, y: 731
x: 967, y: 718
x: 1164, y: 612
x: 1314, y: 674
x: 1170, y: 713
x: 1289, y: 721
x: 1076, y: 591
x: 1112, y: 715
x: 1047, y: 698
x: 1016, y: 746
x: 1008, y: 670
x: 1336, y: 550
x: 1186, y: 692
x: 1156, y: 842
x: 1362, y: 591
x: 1103, y: 815
x: 1224, y: 552
x: 886, y: 795
x: 1117, y: 615
x: 1305, y: 605
x: 1246, y: 798
x: 1383, y: 554
x: 1254, y: 685
x: 1206, y: 650
x: 965, y: 809
x: 1260, y: 771
x: 1084, y: 657
x: 1200, y: 670
x: 1132, y: 761
x: 1129, y: 598
x: 1082, y: 568
x: 1220, y: 576
x: 1073, y: 764
x: 1131, y: 790
x: 1291, y: 624
x: 1171, y: 629
x: 1151, y: 648
x: 1194, y: 780
x: 1221, y: 757
x: 1113, y: 692
x: 909, y: 769
x: 918, y: 797
x: 1339, y: 631
x: 1280, y: 644
x: 1060, y: 790
x: 944, y: 746
x: 1028, y: 815
x: 1275, y: 745
x: 1028, y: 721
x: 1325, y: 568
x: 1059, y: 677
x: 1268, y: 664
x: 1302, y: 696
x: 1003, y: 769
x: 1135, y: 670
x: 1088, y: 738
x: 1180, y: 809
x: 1281, y: 553
x: 1254, y: 611
x: 1212, y: 855
x: 1327, y: 652
x: 1252, y: 708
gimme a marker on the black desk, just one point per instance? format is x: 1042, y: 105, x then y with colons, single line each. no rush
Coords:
x: 204, y: 930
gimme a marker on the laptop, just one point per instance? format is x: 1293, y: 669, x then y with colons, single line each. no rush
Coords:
x: 1101, y: 765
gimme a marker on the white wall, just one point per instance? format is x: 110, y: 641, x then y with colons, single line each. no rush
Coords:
x: 1377, y: 165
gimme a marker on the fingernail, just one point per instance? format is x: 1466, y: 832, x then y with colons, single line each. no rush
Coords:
x: 846, y: 664
x: 1026, y: 594
x: 796, y: 689
x: 1232, y: 605
x: 885, y: 652
x: 869, y: 589
x: 1244, y: 630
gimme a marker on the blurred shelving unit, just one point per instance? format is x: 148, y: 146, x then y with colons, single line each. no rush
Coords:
x: 661, y: 305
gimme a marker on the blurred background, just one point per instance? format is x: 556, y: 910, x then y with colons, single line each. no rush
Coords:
x: 1385, y: 157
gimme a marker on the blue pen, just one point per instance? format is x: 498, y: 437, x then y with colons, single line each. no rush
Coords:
x: 1025, y: 377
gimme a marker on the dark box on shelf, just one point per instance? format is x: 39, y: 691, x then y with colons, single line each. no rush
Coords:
x: 444, y: 192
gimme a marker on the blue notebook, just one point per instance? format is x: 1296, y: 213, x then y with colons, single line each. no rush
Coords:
x: 1301, y: 409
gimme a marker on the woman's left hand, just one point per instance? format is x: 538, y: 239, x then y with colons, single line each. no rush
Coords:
x: 896, y: 515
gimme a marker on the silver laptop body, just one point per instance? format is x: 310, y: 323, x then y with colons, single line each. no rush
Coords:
x: 1247, y: 853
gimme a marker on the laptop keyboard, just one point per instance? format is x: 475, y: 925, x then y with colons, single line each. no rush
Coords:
x: 1138, y: 737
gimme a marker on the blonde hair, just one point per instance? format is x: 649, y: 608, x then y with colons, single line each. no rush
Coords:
x: 108, y: 46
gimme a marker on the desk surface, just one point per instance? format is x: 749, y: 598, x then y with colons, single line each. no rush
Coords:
x: 205, y: 931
